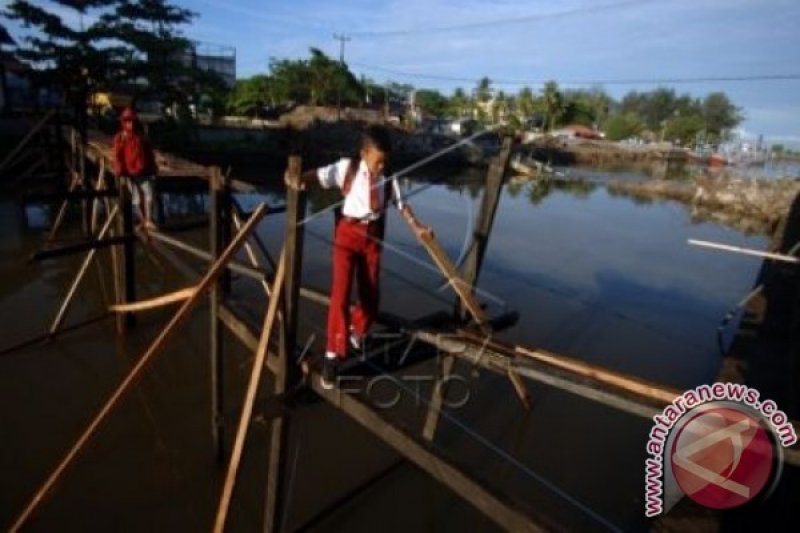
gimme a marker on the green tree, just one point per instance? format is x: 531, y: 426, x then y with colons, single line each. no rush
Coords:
x: 432, y: 102
x: 500, y: 106
x: 249, y: 95
x: 720, y: 116
x: 314, y: 81
x: 325, y: 75
x: 684, y: 129
x: 158, y: 52
x: 290, y: 80
x: 71, y: 59
x: 526, y: 103
x: 553, y: 104
x: 483, y: 92
x: 623, y: 126
x: 579, y: 107
x: 459, y: 104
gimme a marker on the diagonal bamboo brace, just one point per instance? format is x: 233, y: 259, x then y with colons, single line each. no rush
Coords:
x: 154, y: 303
x: 250, y: 396
x: 461, y: 287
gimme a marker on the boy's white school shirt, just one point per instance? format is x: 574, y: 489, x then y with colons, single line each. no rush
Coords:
x: 356, y: 202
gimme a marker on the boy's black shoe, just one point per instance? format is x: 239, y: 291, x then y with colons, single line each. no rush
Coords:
x: 330, y: 372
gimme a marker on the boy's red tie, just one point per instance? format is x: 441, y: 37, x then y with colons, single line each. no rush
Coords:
x: 374, y: 200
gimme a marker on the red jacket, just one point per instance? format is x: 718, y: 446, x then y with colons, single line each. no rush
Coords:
x: 133, y: 156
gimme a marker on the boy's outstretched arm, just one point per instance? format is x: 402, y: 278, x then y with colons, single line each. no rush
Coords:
x: 306, y: 178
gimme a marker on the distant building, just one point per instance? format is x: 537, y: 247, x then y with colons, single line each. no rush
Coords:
x: 217, y: 58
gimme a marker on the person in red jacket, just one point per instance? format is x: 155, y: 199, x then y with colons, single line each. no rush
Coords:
x: 135, y: 160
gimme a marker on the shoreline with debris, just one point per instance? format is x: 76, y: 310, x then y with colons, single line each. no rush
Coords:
x: 749, y: 205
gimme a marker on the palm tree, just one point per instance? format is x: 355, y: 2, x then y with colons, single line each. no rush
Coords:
x: 525, y: 103
x: 484, y: 91
x: 553, y: 103
x: 459, y: 103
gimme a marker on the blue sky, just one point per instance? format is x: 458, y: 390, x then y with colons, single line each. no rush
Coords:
x: 565, y: 40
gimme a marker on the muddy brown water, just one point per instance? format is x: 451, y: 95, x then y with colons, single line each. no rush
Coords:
x: 593, y: 276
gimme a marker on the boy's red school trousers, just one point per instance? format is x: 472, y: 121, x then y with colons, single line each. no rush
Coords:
x: 356, y: 250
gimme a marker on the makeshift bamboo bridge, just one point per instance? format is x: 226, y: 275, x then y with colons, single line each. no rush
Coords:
x: 234, y: 246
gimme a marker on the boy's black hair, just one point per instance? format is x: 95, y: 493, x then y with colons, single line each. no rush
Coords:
x: 377, y: 136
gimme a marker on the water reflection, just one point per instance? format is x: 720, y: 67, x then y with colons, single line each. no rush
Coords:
x: 537, y: 190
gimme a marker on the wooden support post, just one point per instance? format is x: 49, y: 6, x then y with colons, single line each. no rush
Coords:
x: 93, y: 244
x: 471, y: 271
x: 217, y: 243
x: 446, y: 365
x: 485, y: 221
x: 86, y: 184
x: 60, y: 145
x: 288, y: 374
x: 128, y: 270
x: 225, y: 227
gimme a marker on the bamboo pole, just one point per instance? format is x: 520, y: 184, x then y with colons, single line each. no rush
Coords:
x: 157, y: 345
x: 446, y: 366
x: 640, y: 387
x: 461, y: 288
x: 234, y: 266
x: 63, y: 209
x: 250, y: 397
x: 86, y: 245
x: 237, y: 219
x: 217, y: 196
x: 745, y: 251
x: 128, y: 270
x: 287, y: 376
x: 251, y: 256
x: 49, y: 336
x: 28, y: 172
x: 79, y: 276
x: 101, y: 185
x: 25, y: 140
x: 154, y: 303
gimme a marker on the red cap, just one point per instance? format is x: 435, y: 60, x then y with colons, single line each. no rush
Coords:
x: 128, y: 114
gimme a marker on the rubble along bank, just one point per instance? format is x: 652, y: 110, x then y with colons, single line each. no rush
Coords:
x: 749, y: 205
x: 588, y: 152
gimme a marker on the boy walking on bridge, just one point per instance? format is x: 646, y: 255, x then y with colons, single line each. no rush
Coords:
x: 358, y: 235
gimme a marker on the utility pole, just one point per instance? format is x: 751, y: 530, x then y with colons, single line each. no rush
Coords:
x: 342, y: 39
